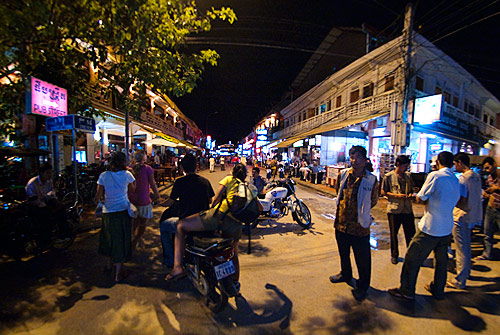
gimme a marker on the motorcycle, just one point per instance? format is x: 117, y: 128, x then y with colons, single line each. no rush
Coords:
x: 23, y: 234
x: 209, y: 267
x: 279, y: 200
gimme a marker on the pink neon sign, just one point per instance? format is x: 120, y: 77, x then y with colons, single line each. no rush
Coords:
x: 48, y: 99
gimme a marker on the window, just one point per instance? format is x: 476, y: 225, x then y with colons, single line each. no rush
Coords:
x: 491, y: 121
x: 354, y: 96
x: 438, y: 90
x: 338, y: 102
x: 322, y: 109
x: 485, y: 118
x: 472, y: 109
x: 466, y: 106
x: 304, y: 116
x: 300, y: 117
x: 478, y: 111
x: 316, y: 111
x: 368, y: 90
x: 447, y: 97
x: 389, y: 83
x: 381, y: 122
x: 419, y: 83
x: 329, y: 105
x: 455, y: 101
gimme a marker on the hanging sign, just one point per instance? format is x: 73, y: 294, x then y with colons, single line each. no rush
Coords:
x: 46, y: 99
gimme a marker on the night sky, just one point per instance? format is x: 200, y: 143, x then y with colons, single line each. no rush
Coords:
x: 264, y: 50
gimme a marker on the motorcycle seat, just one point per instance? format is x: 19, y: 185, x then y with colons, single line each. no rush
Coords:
x: 205, y: 242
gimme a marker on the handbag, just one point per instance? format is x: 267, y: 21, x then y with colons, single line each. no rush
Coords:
x: 98, y: 210
x: 132, y: 210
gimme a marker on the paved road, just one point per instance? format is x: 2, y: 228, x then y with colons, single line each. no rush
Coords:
x: 285, y: 289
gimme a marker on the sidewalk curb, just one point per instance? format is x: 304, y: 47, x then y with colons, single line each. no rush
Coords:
x: 322, y: 188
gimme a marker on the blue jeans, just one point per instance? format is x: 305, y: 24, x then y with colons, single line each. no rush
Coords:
x: 168, y: 228
x: 461, y: 236
x: 491, y: 219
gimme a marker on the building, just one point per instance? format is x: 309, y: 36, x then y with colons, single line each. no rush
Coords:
x: 359, y: 104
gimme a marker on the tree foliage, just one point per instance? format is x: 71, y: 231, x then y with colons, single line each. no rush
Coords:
x: 134, y: 44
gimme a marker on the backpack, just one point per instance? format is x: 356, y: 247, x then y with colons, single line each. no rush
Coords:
x: 244, y: 206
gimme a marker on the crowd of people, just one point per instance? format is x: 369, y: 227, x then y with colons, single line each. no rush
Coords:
x: 453, y: 206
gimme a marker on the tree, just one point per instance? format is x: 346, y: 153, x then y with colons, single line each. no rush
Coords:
x: 134, y: 44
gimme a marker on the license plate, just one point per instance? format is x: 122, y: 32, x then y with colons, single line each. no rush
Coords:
x: 223, y: 270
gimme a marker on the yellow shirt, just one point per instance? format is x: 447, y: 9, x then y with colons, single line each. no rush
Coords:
x: 231, y: 185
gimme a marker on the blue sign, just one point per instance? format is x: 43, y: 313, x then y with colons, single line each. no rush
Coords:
x: 69, y: 122
x: 59, y: 123
x: 86, y: 124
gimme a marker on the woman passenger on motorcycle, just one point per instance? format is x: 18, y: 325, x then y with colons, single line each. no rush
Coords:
x: 216, y: 218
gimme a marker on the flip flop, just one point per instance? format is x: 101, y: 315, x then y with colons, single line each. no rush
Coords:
x: 170, y: 277
x: 396, y: 292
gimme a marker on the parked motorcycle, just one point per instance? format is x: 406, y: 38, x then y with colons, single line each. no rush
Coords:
x: 23, y: 234
x: 209, y: 266
x: 281, y: 199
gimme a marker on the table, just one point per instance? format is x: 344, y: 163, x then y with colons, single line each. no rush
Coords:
x: 159, y: 176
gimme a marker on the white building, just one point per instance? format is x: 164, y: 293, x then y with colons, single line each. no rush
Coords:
x: 353, y: 107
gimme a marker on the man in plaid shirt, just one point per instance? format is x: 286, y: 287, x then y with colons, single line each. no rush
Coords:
x: 492, y: 214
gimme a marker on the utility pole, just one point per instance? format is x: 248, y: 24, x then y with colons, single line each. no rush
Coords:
x: 399, y: 116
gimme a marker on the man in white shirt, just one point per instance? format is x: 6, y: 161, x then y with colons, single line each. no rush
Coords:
x: 467, y: 213
x: 440, y: 193
x: 39, y: 189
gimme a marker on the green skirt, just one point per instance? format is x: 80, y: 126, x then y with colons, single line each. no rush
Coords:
x: 115, y: 239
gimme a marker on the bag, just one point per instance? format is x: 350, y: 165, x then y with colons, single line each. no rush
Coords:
x: 244, y: 206
x: 98, y: 210
x: 132, y: 210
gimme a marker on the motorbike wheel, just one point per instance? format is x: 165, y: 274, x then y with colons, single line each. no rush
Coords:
x: 216, y: 299
x: 71, y: 199
x: 64, y: 235
x: 302, y: 214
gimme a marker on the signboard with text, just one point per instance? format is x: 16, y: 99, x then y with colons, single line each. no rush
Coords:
x: 46, y: 99
x: 67, y: 122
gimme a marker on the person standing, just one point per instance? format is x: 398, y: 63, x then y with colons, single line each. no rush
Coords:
x: 467, y: 213
x: 357, y: 193
x: 212, y: 164
x: 144, y: 177
x: 398, y: 186
x: 222, y: 164
x: 194, y: 193
x: 492, y: 214
x: 115, y: 240
x: 440, y: 193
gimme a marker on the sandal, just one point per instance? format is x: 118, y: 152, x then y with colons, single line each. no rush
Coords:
x: 481, y: 258
x: 173, y: 277
x: 396, y: 292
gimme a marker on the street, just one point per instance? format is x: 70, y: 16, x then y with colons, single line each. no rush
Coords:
x: 284, y: 286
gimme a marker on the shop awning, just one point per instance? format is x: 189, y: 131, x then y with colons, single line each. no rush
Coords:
x: 334, y: 125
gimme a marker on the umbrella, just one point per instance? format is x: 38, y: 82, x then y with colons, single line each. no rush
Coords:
x: 22, y: 152
x: 161, y: 141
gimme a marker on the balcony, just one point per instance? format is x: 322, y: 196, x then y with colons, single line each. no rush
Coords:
x: 484, y: 128
x: 364, y: 107
x: 147, y: 118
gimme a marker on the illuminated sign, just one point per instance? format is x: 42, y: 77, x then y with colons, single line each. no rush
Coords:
x: 428, y: 109
x: 262, y: 138
x: 46, y: 99
x: 312, y: 141
x: 209, y: 142
x: 261, y: 131
x: 318, y: 140
x: 298, y: 144
x: 436, y: 147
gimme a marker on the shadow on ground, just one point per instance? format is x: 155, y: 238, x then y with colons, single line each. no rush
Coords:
x: 270, y: 317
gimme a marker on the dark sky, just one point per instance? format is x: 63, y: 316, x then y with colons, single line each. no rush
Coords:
x: 265, y: 49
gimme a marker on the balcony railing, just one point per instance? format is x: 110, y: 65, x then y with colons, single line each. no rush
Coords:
x: 364, y: 107
x: 483, y: 127
x: 148, y: 119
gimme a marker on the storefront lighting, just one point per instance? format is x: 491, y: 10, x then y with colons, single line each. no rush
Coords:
x: 492, y: 142
x: 337, y: 146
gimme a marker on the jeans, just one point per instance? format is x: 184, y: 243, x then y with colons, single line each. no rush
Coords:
x: 491, y: 219
x: 362, y: 255
x: 420, y: 247
x: 407, y: 220
x: 461, y: 235
x: 168, y: 228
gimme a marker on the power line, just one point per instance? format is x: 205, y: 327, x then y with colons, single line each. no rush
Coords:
x: 467, y: 26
